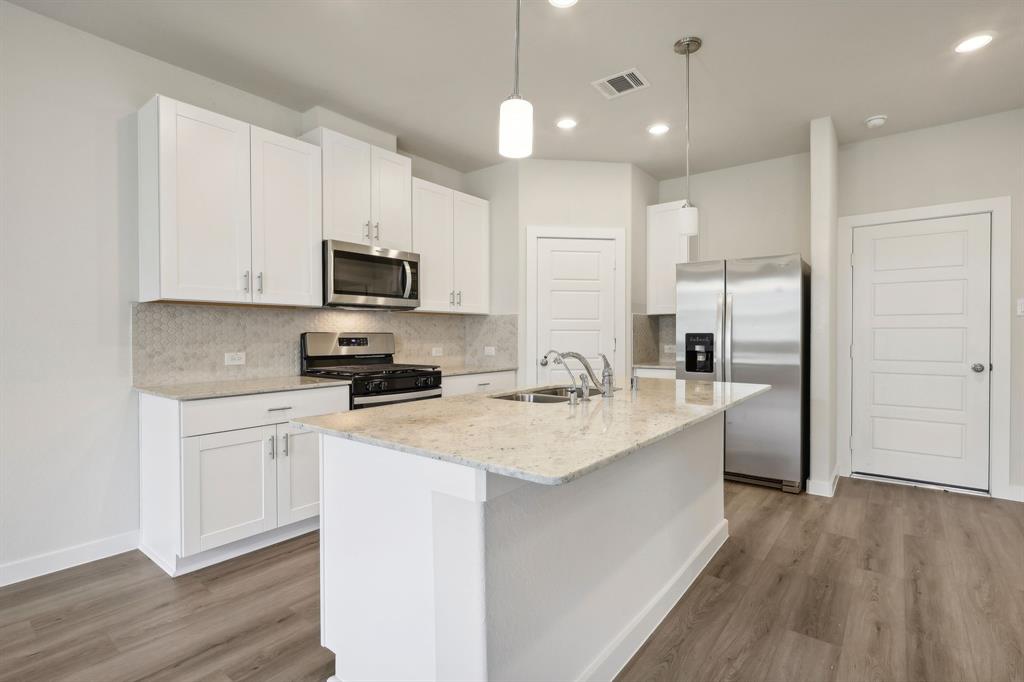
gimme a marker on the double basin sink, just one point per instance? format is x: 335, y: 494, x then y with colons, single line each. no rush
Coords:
x: 544, y: 395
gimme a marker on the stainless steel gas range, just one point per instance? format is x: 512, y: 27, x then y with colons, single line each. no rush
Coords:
x: 368, y: 361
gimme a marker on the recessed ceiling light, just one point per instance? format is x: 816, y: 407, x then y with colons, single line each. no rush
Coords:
x: 658, y: 129
x: 974, y: 42
x: 562, y: 4
x: 876, y: 121
x: 566, y: 123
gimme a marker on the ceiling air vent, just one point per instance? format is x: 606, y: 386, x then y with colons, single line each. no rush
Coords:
x: 620, y: 84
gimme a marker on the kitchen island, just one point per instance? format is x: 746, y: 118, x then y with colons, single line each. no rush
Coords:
x: 477, y: 538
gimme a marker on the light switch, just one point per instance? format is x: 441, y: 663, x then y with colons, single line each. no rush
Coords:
x: 488, y: 350
x: 437, y: 351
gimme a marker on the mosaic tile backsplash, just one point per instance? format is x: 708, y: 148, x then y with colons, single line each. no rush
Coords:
x: 651, y: 333
x: 183, y: 343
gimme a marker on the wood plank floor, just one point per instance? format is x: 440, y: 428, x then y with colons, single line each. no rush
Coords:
x: 879, y: 583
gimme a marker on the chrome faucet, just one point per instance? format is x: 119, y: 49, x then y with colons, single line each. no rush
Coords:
x: 560, y: 360
x: 607, y: 380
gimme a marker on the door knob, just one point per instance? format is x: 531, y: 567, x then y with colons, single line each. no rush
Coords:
x: 978, y: 367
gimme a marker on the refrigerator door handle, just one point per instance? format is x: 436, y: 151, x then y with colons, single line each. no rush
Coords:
x: 727, y: 342
x: 719, y: 304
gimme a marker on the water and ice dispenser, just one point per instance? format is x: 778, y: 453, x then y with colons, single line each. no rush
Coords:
x: 700, y: 353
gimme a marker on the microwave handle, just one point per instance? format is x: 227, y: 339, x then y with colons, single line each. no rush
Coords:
x: 408, y: 278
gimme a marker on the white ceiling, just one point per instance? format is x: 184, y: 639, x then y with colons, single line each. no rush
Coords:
x: 434, y: 71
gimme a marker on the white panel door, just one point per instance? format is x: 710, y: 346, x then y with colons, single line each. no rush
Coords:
x: 204, y: 205
x: 432, y: 207
x: 472, y: 254
x: 666, y: 246
x: 346, y: 188
x: 391, y: 199
x: 229, y: 487
x: 575, y: 303
x: 286, y: 220
x: 921, y: 321
x: 298, y: 474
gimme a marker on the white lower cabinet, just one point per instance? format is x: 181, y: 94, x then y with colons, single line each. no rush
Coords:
x: 484, y: 382
x: 249, y: 479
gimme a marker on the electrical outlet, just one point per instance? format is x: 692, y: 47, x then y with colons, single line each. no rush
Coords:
x: 1020, y: 307
x: 670, y: 348
x: 488, y: 350
x: 437, y: 351
x: 234, y: 358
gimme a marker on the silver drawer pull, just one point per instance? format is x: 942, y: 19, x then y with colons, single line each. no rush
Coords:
x: 486, y: 383
x: 278, y: 409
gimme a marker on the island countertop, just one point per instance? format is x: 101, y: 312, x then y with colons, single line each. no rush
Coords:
x: 549, y: 443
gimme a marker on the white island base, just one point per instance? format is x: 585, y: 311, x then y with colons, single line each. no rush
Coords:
x: 432, y: 570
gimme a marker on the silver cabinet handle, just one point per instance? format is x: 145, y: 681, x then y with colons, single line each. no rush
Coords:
x: 451, y: 298
x: 272, y: 447
x: 245, y: 278
x: 485, y: 383
x: 459, y: 297
x: 367, y: 226
x: 279, y: 409
x: 259, y: 282
x: 286, y: 445
x: 977, y: 367
x: 376, y: 230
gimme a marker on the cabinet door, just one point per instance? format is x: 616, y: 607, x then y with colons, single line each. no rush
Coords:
x: 432, y: 240
x: 391, y: 207
x: 666, y: 246
x: 286, y: 214
x: 346, y: 187
x: 472, y: 264
x: 298, y: 474
x: 204, y: 205
x: 229, y: 487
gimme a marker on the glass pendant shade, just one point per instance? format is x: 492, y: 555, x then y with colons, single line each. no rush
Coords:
x: 515, y: 128
x: 689, y: 220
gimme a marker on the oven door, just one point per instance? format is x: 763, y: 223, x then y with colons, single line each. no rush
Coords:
x: 361, y: 276
x: 361, y: 401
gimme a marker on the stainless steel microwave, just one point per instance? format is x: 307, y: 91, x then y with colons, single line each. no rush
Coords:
x: 361, y: 276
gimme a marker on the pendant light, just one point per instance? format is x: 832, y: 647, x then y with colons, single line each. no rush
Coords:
x: 515, y: 117
x: 689, y: 221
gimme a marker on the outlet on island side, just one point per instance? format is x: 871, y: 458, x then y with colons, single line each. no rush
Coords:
x: 234, y: 358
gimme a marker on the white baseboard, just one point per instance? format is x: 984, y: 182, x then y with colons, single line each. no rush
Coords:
x: 175, y: 566
x: 823, y: 488
x: 616, y: 655
x: 58, y: 560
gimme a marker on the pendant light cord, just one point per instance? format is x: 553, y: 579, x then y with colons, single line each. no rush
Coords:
x: 515, y: 78
x: 688, y: 126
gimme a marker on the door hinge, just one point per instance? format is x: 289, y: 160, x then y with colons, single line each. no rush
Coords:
x: 851, y: 351
x: 615, y: 344
x: 851, y: 442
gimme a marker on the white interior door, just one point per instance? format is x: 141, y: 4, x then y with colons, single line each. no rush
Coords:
x: 575, y: 303
x: 298, y: 474
x: 286, y: 220
x: 921, y: 324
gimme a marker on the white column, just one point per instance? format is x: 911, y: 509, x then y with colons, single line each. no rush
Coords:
x: 824, y: 192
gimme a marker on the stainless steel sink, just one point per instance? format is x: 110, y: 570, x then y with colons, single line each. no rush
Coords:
x: 562, y: 391
x: 533, y: 398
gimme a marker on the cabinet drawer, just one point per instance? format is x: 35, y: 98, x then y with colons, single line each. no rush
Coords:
x: 486, y: 382
x: 240, y: 412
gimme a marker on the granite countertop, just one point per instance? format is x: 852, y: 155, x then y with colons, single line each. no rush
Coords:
x: 549, y: 443
x: 235, y: 387
x: 458, y: 371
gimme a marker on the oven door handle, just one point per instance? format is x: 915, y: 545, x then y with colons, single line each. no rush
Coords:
x: 394, y: 397
x: 408, y: 278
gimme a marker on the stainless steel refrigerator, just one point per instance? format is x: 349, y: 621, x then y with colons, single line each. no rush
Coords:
x: 747, y: 320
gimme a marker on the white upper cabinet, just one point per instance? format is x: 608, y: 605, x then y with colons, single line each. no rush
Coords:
x: 367, y: 191
x: 472, y: 273
x: 228, y: 212
x: 391, y: 200
x: 194, y: 239
x: 346, y: 185
x: 666, y: 246
x: 286, y: 220
x: 451, y: 233
x: 432, y: 234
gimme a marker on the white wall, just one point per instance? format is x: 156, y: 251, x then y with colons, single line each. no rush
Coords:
x: 758, y: 209
x: 68, y: 274
x: 974, y: 159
